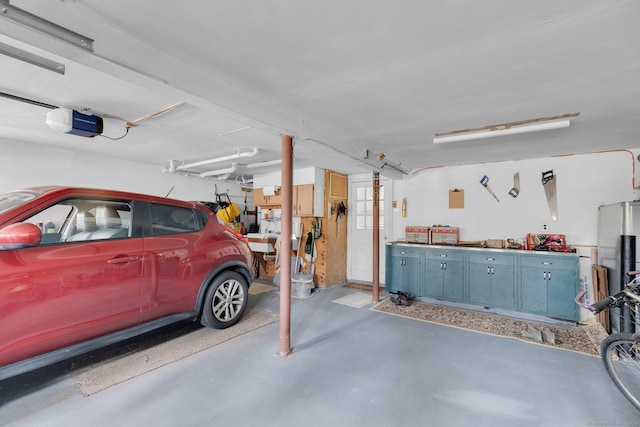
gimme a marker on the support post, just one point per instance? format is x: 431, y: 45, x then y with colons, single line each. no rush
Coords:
x: 285, y: 246
x: 376, y: 237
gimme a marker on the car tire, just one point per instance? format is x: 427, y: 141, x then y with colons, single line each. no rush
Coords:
x: 225, y: 301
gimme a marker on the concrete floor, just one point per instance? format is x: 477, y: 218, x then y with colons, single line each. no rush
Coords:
x: 349, y: 367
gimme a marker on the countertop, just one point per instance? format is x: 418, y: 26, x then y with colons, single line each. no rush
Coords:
x: 475, y: 248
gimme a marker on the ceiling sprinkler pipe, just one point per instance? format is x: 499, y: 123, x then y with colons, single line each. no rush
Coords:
x: 237, y: 155
x: 171, y: 169
x: 232, y: 169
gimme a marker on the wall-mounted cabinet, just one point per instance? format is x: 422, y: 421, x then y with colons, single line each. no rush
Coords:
x: 303, y: 198
x: 308, y: 191
x: 259, y: 198
x: 535, y: 283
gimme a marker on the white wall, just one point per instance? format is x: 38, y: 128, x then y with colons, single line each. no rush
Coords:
x: 29, y: 165
x: 584, y: 182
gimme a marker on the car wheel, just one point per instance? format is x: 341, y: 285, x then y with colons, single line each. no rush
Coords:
x: 225, y: 301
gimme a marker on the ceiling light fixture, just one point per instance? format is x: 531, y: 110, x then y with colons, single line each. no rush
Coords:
x: 514, y: 128
x: 15, y: 14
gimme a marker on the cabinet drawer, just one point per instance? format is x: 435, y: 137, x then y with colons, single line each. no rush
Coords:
x: 549, y: 262
x: 492, y: 259
x: 406, y: 252
x: 444, y: 254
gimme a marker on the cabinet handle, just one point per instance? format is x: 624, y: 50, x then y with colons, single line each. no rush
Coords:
x: 443, y: 255
x: 491, y: 270
x: 546, y: 263
x: 549, y: 275
x: 544, y: 275
x: 491, y: 259
x: 445, y: 265
x: 488, y: 270
x: 403, y: 253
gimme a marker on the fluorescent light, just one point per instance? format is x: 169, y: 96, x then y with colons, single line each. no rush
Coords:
x: 31, y: 58
x: 490, y: 133
x: 30, y: 20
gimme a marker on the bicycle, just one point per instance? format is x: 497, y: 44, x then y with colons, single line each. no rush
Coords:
x: 620, y: 352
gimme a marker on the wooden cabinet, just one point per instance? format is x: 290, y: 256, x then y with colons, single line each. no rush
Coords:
x: 303, y: 196
x: 492, y: 279
x: 444, y: 274
x: 529, y: 282
x: 259, y: 199
x: 548, y: 285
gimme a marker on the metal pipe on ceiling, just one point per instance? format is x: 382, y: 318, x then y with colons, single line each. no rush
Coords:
x: 237, y: 155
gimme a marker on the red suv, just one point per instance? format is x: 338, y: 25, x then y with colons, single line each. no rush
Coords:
x: 82, y: 268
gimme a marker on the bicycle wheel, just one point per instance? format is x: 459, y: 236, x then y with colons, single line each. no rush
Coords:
x: 621, y: 356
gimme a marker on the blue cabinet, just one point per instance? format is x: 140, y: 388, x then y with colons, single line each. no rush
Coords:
x: 548, y: 285
x: 444, y: 274
x: 492, y: 279
x: 404, y: 270
x: 531, y: 282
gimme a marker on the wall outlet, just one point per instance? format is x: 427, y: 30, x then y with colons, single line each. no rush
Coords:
x: 545, y: 227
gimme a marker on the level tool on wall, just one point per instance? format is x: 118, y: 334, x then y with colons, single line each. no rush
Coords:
x: 549, y: 184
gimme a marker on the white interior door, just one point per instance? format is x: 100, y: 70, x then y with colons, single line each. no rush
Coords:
x: 361, y: 229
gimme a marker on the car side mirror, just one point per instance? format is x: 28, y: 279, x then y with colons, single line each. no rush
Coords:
x: 19, y: 235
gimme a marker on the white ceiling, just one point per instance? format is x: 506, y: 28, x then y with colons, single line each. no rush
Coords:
x: 340, y: 76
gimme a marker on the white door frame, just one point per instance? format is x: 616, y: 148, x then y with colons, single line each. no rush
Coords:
x: 356, y: 247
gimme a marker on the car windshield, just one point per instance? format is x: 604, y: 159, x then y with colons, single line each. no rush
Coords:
x: 10, y: 200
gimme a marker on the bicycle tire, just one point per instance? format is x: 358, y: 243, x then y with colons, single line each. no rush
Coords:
x: 621, y: 356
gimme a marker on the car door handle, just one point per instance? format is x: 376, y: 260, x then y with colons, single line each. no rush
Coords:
x: 123, y: 259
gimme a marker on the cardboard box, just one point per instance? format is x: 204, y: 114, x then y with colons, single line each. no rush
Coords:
x: 447, y: 235
x: 416, y: 234
x: 495, y: 243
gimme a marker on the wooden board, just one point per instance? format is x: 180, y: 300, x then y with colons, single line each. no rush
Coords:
x: 337, y: 185
x: 601, y: 291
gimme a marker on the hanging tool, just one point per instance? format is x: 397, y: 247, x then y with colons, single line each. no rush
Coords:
x: 341, y: 210
x: 484, y: 181
x: 549, y: 184
x: 516, y: 185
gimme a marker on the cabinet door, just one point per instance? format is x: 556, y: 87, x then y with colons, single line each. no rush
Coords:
x: 453, y: 280
x: 434, y: 280
x: 392, y: 264
x: 503, y: 286
x: 303, y: 200
x: 562, y: 287
x: 549, y: 283
x: 492, y: 279
x: 533, y: 292
x: 479, y: 283
x: 258, y: 197
x: 404, y: 270
x: 444, y: 273
x: 412, y: 280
